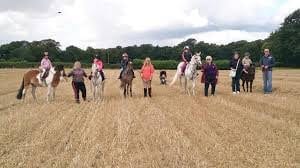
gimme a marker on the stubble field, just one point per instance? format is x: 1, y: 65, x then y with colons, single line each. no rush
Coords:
x: 169, y: 130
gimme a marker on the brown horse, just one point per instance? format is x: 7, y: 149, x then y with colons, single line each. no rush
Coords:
x: 248, y: 77
x: 33, y: 78
x: 126, y: 80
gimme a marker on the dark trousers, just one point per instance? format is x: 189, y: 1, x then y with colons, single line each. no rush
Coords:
x: 236, y: 83
x: 79, y: 86
x: 206, y: 86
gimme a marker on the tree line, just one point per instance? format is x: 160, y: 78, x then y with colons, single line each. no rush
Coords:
x: 284, y: 44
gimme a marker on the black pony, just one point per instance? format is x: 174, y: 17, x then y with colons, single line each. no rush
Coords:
x: 248, y: 77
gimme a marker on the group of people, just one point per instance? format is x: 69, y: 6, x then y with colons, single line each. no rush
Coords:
x: 78, y: 74
x: 209, y: 72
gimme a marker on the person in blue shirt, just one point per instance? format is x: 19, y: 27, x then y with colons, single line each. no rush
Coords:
x: 267, y: 62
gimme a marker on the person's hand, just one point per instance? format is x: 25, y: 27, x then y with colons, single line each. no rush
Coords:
x: 266, y: 67
x: 262, y: 66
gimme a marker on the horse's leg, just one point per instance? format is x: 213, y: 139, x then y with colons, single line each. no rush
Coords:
x: 180, y: 80
x: 193, y: 87
x: 24, y: 92
x: 33, y: 89
x: 102, y: 89
x: 96, y: 92
x: 53, y: 93
x: 247, y: 84
x: 130, y: 89
x: 251, y: 82
x: 49, y: 93
x: 243, y: 84
x: 125, y: 87
x: 186, y: 90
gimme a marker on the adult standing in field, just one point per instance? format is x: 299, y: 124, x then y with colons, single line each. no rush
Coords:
x: 78, y: 75
x: 209, y: 76
x: 146, y: 75
x: 45, y: 66
x: 236, y: 67
x: 267, y: 62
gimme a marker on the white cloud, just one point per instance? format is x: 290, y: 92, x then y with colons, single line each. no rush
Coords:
x: 108, y: 23
x: 222, y: 37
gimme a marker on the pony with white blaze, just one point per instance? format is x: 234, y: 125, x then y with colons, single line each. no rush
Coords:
x: 33, y: 78
x: 190, y: 74
x: 97, y: 83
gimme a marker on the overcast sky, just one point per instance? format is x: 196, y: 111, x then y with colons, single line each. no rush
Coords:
x: 108, y: 23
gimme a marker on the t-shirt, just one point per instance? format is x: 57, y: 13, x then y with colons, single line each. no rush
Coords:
x: 78, y: 75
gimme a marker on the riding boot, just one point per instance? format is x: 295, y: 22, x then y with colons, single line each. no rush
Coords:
x: 149, y: 92
x: 145, y: 92
x: 102, y: 75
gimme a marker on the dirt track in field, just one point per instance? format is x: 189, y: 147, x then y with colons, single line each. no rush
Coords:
x: 169, y: 130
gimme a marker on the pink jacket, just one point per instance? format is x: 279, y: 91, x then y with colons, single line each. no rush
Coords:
x: 46, y: 63
x: 147, y: 72
x: 99, y: 64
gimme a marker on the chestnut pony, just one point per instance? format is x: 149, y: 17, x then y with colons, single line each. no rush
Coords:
x: 33, y: 78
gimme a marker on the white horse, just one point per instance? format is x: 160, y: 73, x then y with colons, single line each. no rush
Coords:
x: 33, y: 78
x: 189, y: 75
x: 97, y: 83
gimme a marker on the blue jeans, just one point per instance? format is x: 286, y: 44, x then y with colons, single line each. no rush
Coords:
x: 235, y: 84
x: 267, y: 77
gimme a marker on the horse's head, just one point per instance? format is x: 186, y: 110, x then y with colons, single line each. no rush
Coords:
x: 61, y: 70
x: 196, y: 59
x: 129, y: 65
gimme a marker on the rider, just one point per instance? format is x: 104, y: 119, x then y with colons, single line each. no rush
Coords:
x: 246, y: 62
x: 46, y: 65
x: 98, y: 62
x: 186, y: 57
x: 124, y: 63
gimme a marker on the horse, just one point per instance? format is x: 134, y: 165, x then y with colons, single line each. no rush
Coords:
x: 97, y: 83
x: 33, y: 78
x: 126, y: 80
x: 248, y: 77
x: 190, y: 74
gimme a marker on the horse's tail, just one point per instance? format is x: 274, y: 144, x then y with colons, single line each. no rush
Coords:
x: 20, y: 92
x: 174, y: 79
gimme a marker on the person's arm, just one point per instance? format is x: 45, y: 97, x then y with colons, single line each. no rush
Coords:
x: 261, y: 62
x: 152, y: 71
x: 217, y: 72
x: 84, y: 74
x: 42, y: 63
x: 50, y: 63
x: 142, y: 71
x: 272, y: 62
x: 70, y: 74
x: 183, y: 57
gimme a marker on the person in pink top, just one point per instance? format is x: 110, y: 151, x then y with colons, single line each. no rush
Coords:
x: 45, y: 66
x: 98, y: 62
x: 147, y: 72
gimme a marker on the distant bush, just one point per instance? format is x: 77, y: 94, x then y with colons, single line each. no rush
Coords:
x: 222, y: 64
